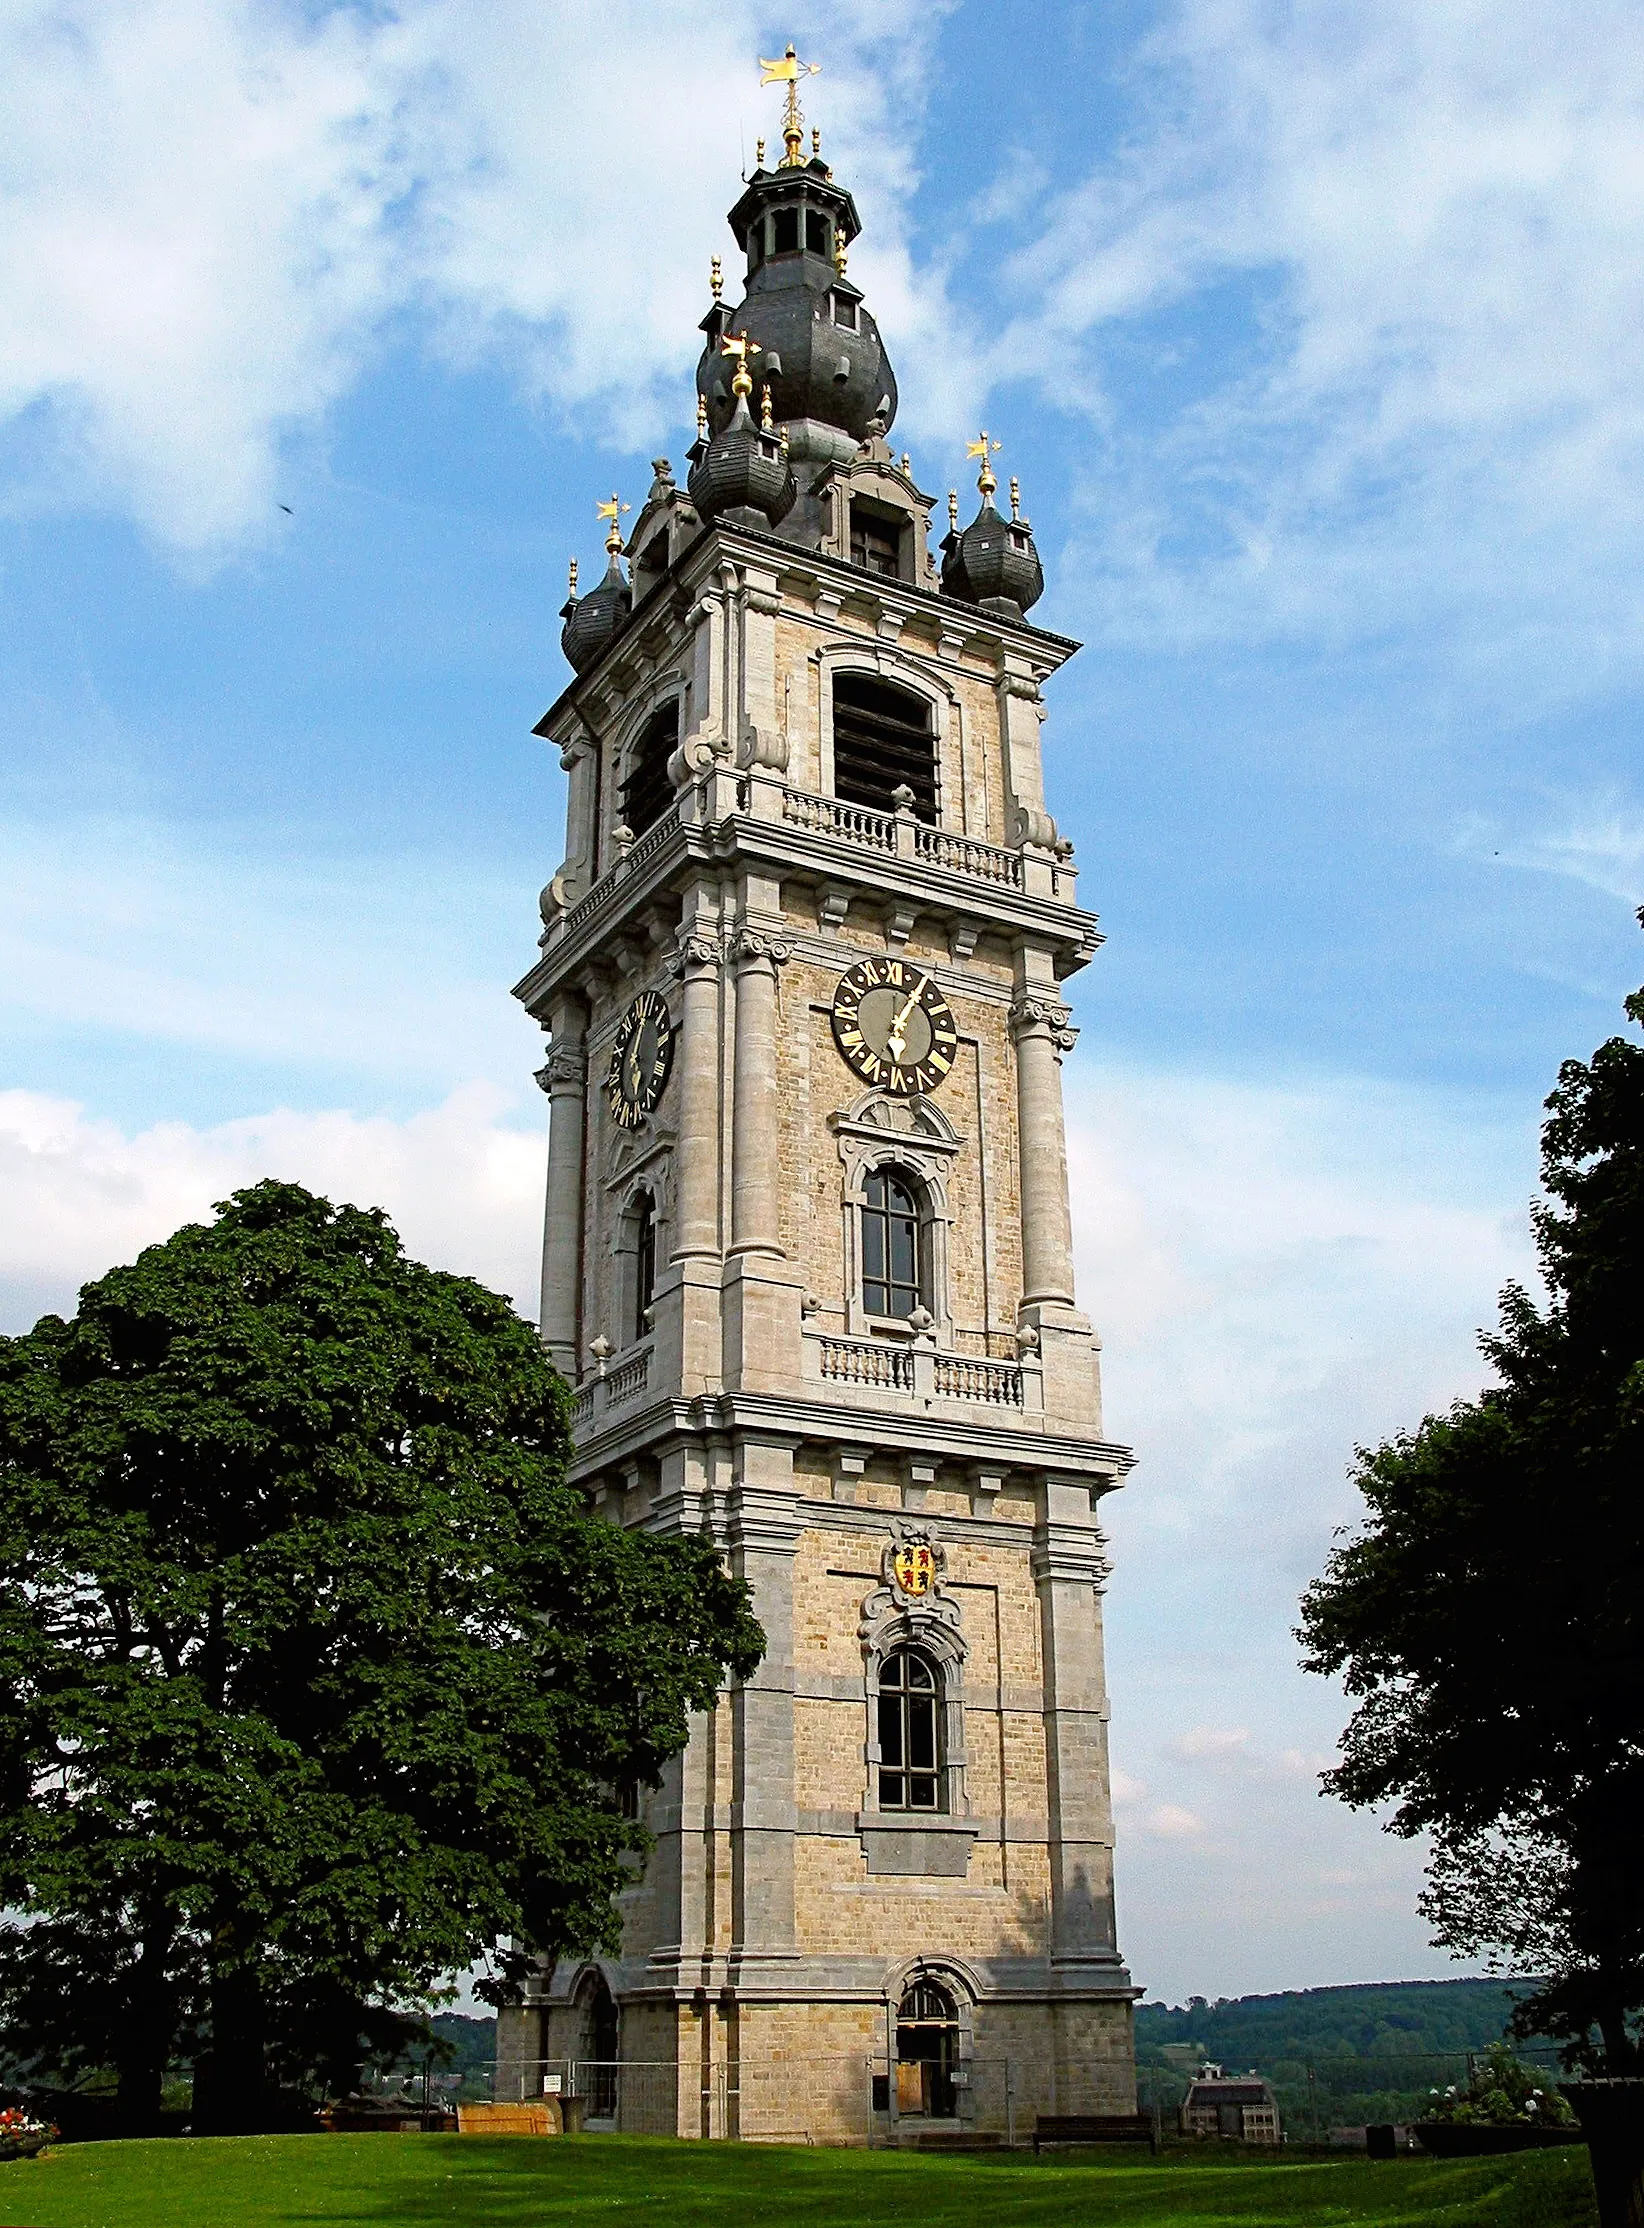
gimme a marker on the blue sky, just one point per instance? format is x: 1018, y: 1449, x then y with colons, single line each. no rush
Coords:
x: 1313, y: 333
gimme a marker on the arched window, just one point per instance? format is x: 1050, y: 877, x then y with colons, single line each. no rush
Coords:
x: 910, y: 1732
x: 646, y: 790
x: 644, y: 1264
x: 894, y: 1278
x: 927, y: 2050
x: 882, y: 742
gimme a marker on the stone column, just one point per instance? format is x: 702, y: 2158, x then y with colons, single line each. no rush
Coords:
x: 755, y: 1136
x: 696, y: 1215
x: 1069, y: 1569
x: 763, y: 1532
x: 1039, y: 1029
x: 564, y: 1076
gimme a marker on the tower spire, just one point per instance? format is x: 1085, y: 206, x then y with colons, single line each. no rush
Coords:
x: 788, y: 70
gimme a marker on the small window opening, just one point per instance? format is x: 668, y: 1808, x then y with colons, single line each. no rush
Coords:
x: 891, y: 1279
x: 644, y: 1265
x: 844, y: 312
x: 910, y: 1776
x: 785, y: 232
x: 882, y: 742
x: 876, y: 541
x: 818, y: 233
x: 646, y: 790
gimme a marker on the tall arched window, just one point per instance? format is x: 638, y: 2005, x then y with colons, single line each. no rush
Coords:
x: 646, y: 790
x: 644, y: 1264
x: 910, y: 1732
x: 882, y: 742
x: 894, y: 1278
x: 927, y: 2050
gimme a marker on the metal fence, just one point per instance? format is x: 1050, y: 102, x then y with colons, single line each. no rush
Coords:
x: 860, y: 2099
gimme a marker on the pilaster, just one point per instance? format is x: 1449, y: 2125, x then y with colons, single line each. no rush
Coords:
x: 564, y: 1076
x: 1069, y: 1570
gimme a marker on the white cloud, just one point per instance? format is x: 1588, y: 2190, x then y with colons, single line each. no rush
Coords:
x: 462, y: 1184
x: 1279, y: 1272
x: 1601, y: 845
x: 1411, y: 237
x: 1213, y: 1740
x: 227, y: 944
x: 214, y: 206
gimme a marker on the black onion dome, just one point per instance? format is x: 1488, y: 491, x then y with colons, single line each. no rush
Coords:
x: 593, y: 621
x: 741, y: 470
x: 993, y: 563
x: 817, y: 347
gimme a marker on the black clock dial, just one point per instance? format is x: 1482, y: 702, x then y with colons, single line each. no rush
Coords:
x: 893, y: 1026
x: 640, y: 1059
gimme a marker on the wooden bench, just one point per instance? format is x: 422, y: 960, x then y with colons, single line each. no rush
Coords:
x: 1093, y: 2127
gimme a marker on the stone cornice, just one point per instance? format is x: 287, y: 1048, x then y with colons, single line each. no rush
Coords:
x: 675, y: 594
x: 719, y: 1416
x: 786, y: 849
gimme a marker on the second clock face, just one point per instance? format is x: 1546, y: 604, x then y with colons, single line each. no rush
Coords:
x: 893, y: 1026
x: 640, y: 1059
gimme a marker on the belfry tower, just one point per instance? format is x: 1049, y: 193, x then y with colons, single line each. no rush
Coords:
x: 807, y: 1257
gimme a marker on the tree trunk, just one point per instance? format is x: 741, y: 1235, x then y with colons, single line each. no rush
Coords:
x: 149, y: 2035
x: 230, y: 2081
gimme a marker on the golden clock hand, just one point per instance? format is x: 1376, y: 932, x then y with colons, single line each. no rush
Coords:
x: 896, y: 1042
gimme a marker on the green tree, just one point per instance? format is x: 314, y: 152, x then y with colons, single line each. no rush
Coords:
x: 1486, y: 1618
x: 316, y: 1679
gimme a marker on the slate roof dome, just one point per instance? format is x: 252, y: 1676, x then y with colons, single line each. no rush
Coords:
x: 593, y: 621
x: 994, y: 562
x: 815, y: 343
x: 742, y: 473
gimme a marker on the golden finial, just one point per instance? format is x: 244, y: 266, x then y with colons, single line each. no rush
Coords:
x: 953, y: 510
x: 816, y: 143
x: 788, y: 71
x: 613, y: 510
x: 701, y: 418
x: 571, y: 586
x: 1015, y: 496
x: 716, y: 277
x: 839, y: 247
x: 981, y: 448
x: 741, y: 347
x: 782, y: 436
x: 759, y: 154
x: 765, y: 407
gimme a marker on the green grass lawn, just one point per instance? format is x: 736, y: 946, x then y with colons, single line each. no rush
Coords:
x: 404, y: 2181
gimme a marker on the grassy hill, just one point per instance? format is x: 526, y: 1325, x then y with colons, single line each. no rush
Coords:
x: 1382, y: 2019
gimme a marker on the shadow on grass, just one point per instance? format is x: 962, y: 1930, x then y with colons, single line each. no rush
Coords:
x: 433, y: 2181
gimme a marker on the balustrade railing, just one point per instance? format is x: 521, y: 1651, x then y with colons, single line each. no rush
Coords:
x: 959, y: 1377
x: 855, y: 1361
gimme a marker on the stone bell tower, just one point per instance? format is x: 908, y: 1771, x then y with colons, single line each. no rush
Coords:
x: 807, y: 1258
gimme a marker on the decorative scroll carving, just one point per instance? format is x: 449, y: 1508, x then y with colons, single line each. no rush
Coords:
x: 749, y: 944
x: 693, y: 951
x: 565, y: 1067
x: 924, y: 1618
x: 1032, y: 1012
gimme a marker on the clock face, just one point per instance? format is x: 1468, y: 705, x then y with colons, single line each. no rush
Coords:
x: 640, y: 1059
x: 893, y: 1026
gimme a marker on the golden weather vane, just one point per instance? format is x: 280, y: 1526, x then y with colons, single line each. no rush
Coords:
x: 741, y: 347
x: 983, y: 448
x: 788, y: 71
x: 613, y: 510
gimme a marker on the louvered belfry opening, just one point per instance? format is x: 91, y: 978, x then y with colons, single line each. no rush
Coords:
x: 881, y: 742
x: 647, y: 792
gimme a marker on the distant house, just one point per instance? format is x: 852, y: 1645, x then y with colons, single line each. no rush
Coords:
x: 1237, y: 2108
